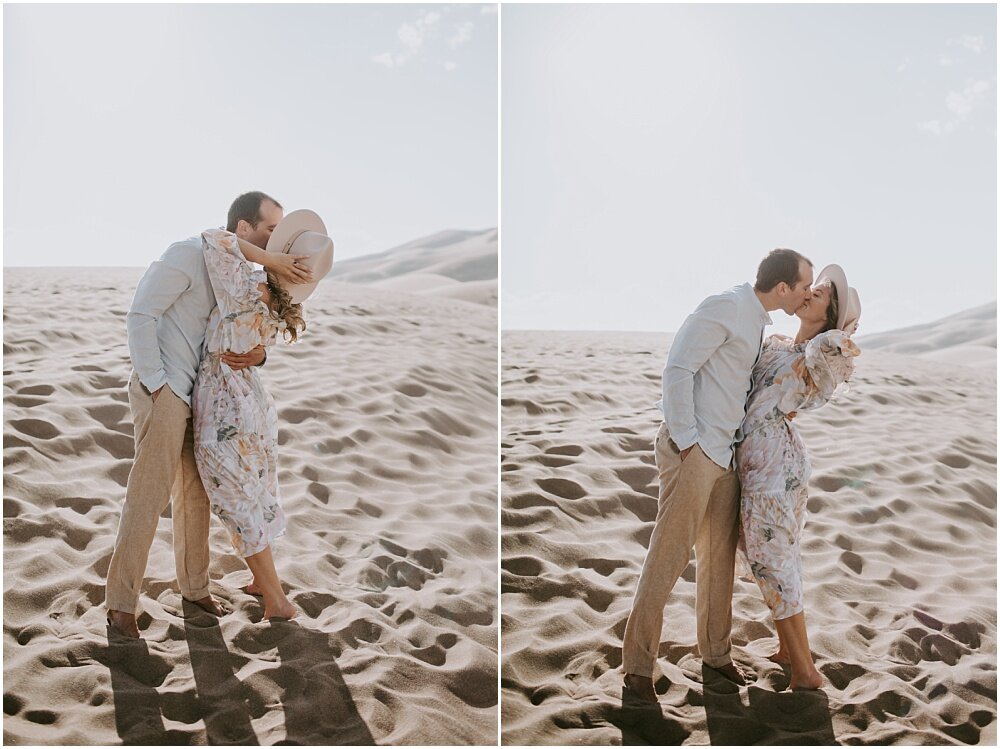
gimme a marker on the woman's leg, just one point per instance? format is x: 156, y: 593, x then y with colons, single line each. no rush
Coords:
x: 795, y: 640
x: 276, y: 604
x: 781, y: 656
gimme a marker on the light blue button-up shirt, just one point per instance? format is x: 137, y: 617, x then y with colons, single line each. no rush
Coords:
x: 708, y: 372
x: 167, y: 319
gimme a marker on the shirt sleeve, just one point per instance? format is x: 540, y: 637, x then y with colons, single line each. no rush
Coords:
x: 826, y: 364
x: 158, y: 289
x: 702, y: 333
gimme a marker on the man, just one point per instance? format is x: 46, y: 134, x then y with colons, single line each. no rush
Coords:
x: 166, y: 329
x: 705, y: 386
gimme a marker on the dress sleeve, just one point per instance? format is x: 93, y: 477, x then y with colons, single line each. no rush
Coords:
x: 235, y: 283
x: 825, y: 365
x: 234, y: 279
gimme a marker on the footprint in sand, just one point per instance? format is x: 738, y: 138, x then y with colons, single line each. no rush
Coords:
x: 573, y: 450
x: 35, y: 428
x: 562, y: 488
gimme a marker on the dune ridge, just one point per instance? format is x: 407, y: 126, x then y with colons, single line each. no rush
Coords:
x: 899, y: 554
x: 967, y: 337
x: 387, y: 467
x: 456, y: 264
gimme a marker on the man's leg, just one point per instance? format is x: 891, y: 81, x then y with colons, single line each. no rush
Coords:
x: 684, y: 493
x: 159, y: 435
x: 191, y: 519
x: 715, y: 550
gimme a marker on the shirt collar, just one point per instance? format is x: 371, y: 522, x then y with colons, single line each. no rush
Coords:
x: 763, y: 314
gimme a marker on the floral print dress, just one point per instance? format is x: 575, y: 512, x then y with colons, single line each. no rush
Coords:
x: 773, y: 464
x: 235, y: 421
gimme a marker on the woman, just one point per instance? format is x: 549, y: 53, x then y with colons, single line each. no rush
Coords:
x: 235, y: 421
x: 790, y: 376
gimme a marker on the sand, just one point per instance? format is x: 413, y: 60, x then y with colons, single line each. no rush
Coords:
x: 388, y: 475
x: 899, y: 549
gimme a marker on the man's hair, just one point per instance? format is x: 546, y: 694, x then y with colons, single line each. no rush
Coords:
x: 779, y: 265
x: 247, y: 208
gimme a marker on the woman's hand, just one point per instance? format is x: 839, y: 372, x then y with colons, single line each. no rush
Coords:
x: 288, y: 268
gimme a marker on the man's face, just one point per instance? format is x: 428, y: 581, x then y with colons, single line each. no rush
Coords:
x: 801, y: 293
x: 270, y: 215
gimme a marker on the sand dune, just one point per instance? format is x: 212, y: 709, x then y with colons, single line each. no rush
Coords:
x: 388, y: 475
x: 899, y: 548
x: 969, y: 337
x: 455, y: 264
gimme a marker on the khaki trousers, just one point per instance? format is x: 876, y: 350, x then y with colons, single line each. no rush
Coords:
x: 699, y: 506
x: 163, y: 469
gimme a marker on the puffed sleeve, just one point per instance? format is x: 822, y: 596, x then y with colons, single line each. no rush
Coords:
x: 826, y: 364
x: 235, y: 283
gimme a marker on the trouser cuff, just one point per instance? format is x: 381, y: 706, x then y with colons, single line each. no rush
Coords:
x: 195, y: 595
x: 121, y: 603
x: 718, y: 661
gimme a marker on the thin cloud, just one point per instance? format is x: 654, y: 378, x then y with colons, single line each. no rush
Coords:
x: 488, y: 10
x: 450, y: 66
x: 412, y: 37
x: 463, y: 33
x: 960, y: 105
x: 388, y: 59
x: 969, y: 42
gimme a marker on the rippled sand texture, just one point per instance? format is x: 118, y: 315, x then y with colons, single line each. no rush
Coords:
x: 899, y: 548
x: 388, y: 474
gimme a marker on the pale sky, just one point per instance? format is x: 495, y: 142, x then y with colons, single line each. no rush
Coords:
x: 652, y: 155
x: 128, y: 127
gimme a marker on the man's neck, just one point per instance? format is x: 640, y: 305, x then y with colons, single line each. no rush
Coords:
x: 768, y: 301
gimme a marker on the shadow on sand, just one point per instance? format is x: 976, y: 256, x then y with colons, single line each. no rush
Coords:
x: 305, y: 680
x: 768, y: 718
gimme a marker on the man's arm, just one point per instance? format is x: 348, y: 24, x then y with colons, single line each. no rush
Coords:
x: 255, y: 357
x: 700, y: 336
x: 159, y: 288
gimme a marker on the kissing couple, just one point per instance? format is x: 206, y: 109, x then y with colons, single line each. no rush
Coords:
x: 206, y: 429
x: 733, y: 471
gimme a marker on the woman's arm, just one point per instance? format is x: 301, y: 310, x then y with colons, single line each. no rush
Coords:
x: 284, y: 266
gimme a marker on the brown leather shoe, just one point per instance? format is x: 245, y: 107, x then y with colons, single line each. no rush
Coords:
x: 124, y: 624
x: 209, y: 605
x: 732, y: 672
x: 642, y: 688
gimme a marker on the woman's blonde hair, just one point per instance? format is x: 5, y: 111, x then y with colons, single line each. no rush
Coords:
x: 283, y: 308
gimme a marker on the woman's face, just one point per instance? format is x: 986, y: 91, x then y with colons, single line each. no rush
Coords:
x: 814, y: 309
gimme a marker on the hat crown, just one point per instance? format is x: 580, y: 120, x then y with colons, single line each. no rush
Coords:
x: 303, y: 232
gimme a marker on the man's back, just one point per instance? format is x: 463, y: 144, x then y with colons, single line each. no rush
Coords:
x: 168, y: 316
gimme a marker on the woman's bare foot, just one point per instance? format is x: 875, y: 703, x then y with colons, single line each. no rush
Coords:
x: 254, y: 589
x: 285, y: 610
x: 813, y: 680
x: 781, y: 658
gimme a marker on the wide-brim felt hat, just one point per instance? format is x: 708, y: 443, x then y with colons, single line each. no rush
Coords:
x: 848, y: 301
x: 303, y: 232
